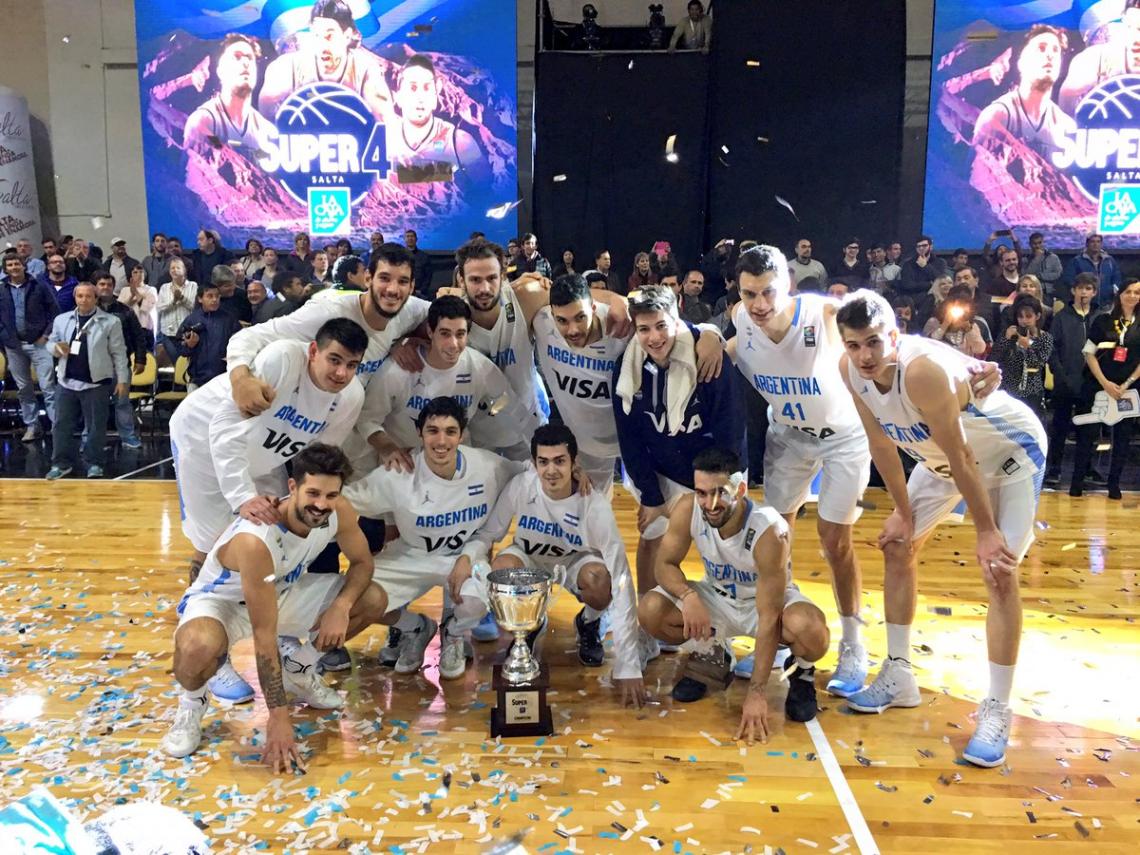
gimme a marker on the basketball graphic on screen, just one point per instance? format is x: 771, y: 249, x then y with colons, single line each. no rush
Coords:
x: 327, y: 137
x: 1106, y: 139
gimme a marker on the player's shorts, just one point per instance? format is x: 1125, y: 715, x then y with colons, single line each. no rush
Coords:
x: 732, y: 616
x: 791, y: 461
x: 298, y: 609
x: 671, y: 490
x: 574, y: 562
x: 206, y: 512
x: 406, y: 576
x: 600, y: 471
x: 934, y: 499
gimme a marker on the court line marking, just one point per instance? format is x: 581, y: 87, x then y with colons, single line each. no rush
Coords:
x: 838, y: 780
x: 151, y: 466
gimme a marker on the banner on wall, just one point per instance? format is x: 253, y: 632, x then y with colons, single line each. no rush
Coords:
x: 1034, y: 121
x: 339, y: 118
x: 19, y: 201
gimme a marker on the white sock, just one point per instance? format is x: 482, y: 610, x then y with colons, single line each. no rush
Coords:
x: 409, y: 621
x: 591, y: 614
x: 851, y: 633
x: 1001, y: 682
x: 304, y: 654
x: 804, y: 664
x: 193, y: 698
x: 898, y: 641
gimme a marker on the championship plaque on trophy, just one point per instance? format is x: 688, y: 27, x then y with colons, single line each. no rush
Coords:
x: 518, y: 598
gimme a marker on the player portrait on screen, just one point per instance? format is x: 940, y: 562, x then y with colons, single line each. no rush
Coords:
x: 1116, y: 56
x: 229, y: 117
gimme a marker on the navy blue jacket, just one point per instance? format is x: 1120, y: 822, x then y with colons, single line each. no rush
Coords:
x: 215, y: 329
x: 65, y: 294
x: 714, y: 417
x: 40, y: 309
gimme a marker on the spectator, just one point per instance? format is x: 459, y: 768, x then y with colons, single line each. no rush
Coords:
x: 642, y: 275
x: 93, y: 357
x: 1023, y: 352
x: 62, y: 284
x: 142, y: 299
x: 1070, y: 331
x: 894, y: 254
x: 532, y: 261
x: 716, y: 267
x: 375, y: 241
x: 351, y: 274
x: 300, y: 259
x: 983, y: 307
x: 156, y: 265
x: 259, y: 299
x: 928, y: 304
x: 270, y: 266
x: 603, y: 263
x: 694, y: 309
x: 209, y: 254
x: 1045, y: 265
x: 176, y: 300
x: 1027, y: 283
x: 421, y: 266
x: 731, y: 294
x: 1095, y: 260
x: 290, y: 291
x: 1003, y: 280
x: 803, y: 265
x: 252, y: 261
x: 955, y: 324
x: 1112, y: 362
x: 514, y: 267
x: 238, y: 267
x: 838, y: 289
x: 174, y: 250
x: 343, y: 248
x: 27, y: 310
x: 992, y: 260
x: 135, y: 342
x: 919, y: 272
x: 852, y: 270
x: 567, y: 263
x: 33, y: 267
x: 808, y: 284
x: 723, y: 316
x: 50, y: 249
x: 120, y: 265
x: 204, y: 336
x: 905, y: 314
x: 882, y: 274
x: 80, y: 264
x: 695, y: 32
x: 959, y: 259
x: 232, y: 300
x: 322, y: 274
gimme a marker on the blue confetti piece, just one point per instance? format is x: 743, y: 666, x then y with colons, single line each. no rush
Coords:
x: 609, y: 835
x: 396, y: 776
x: 677, y: 846
x: 514, y: 796
x: 311, y: 817
x: 566, y: 812
x: 775, y: 753
x: 692, y: 758
x: 540, y: 741
x: 740, y: 778
x: 343, y: 778
x: 546, y: 846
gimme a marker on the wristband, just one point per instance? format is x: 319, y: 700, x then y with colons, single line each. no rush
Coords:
x: 687, y: 592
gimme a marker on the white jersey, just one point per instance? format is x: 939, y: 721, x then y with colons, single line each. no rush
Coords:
x: 1007, y: 440
x: 580, y: 381
x: 557, y: 528
x: 508, y: 345
x: 1045, y: 136
x: 250, y: 137
x: 435, y: 516
x: 730, y: 565
x: 291, y: 556
x: 394, y: 401
x: 208, y: 426
x: 799, y: 375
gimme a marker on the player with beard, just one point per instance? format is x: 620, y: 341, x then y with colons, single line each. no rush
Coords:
x: 746, y: 590
x: 229, y: 118
x: 254, y: 583
x: 1097, y: 63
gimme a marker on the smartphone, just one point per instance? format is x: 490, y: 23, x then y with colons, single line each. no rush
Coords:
x: 956, y: 312
x: 1006, y: 232
x: 1022, y: 330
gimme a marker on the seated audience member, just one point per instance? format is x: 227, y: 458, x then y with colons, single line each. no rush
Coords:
x: 234, y: 301
x: 322, y: 274
x: 60, y: 281
x: 1070, y: 331
x: 993, y: 257
x: 204, y: 336
x: 926, y: 305
x: 176, y: 300
x: 904, y: 314
x: 566, y: 265
x: 959, y: 259
x: 837, y: 289
x: 693, y: 308
x: 240, y: 279
x: 919, y: 271
x: 1023, y: 350
x: 259, y: 299
x: 1031, y: 285
x: 603, y: 263
x: 142, y: 299
x: 92, y: 360
x: 270, y: 266
x: 350, y: 274
x: 882, y: 273
x: 808, y: 284
x: 1043, y: 264
x: 642, y: 275
x: 983, y: 305
x: 695, y: 31
x: 954, y: 323
x: 289, y: 291
x: 851, y: 270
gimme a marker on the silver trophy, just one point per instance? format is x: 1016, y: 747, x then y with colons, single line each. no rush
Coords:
x: 518, y: 598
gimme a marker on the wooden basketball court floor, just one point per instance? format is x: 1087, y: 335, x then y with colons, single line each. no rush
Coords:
x: 91, y: 574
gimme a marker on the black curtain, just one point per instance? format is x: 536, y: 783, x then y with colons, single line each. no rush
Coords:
x: 822, y: 83
x: 602, y: 121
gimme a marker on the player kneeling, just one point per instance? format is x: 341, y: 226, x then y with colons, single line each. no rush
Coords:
x: 254, y: 583
x: 746, y: 590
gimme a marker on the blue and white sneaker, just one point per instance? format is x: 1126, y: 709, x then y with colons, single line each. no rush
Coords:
x: 336, y: 659
x: 850, y: 672
x: 486, y: 629
x: 745, y: 667
x: 894, y: 687
x: 228, y: 685
x: 987, y: 746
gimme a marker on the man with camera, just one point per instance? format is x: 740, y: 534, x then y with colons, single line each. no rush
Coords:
x: 204, y: 336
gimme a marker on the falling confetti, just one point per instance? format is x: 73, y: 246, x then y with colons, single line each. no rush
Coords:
x: 66, y: 40
x: 752, y: 63
x: 670, y: 154
x: 785, y: 203
x: 558, y: 179
x: 501, y: 211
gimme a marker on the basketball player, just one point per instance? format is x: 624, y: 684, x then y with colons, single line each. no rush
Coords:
x: 914, y: 393
x: 229, y: 117
x: 558, y: 525
x: 422, y: 147
x: 254, y: 583
x: 1118, y: 56
x: 1027, y: 111
x: 747, y: 589
x: 437, y: 506
x: 393, y: 402
x: 331, y: 54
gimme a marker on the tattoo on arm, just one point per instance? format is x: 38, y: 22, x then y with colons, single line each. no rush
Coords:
x: 269, y: 675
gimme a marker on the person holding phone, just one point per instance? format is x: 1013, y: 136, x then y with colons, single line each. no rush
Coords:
x: 1023, y: 351
x: 954, y: 323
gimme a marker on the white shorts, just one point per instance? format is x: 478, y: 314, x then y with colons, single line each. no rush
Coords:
x: 934, y: 499
x: 574, y: 562
x: 206, y: 512
x: 731, y: 616
x: 791, y: 461
x: 600, y: 471
x: 298, y: 608
x: 671, y: 490
x: 406, y: 576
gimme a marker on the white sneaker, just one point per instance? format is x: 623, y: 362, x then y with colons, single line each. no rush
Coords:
x: 185, y: 734
x: 452, y: 655
x: 987, y: 746
x: 648, y: 647
x: 414, y: 644
x: 228, y: 685
x: 894, y: 687
x: 850, y: 672
x: 303, y: 683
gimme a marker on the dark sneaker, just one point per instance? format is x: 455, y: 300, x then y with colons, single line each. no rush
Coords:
x: 336, y: 659
x: 1052, y: 479
x: 390, y: 652
x: 591, y: 653
x: 712, y: 668
x: 801, y: 704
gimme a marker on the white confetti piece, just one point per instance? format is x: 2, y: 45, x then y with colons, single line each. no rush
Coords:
x: 558, y: 179
x: 501, y: 211
x: 803, y: 796
x: 785, y: 203
x: 709, y: 804
x: 670, y: 153
x: 967, y: 814
x: 810, y: 843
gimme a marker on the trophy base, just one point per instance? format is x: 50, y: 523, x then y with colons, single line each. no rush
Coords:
x: 522, y: 709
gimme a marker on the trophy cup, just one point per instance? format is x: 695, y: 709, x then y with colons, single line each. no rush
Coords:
x: 518, y: 598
